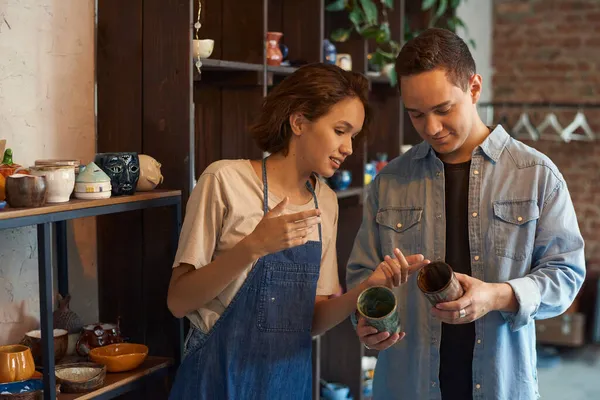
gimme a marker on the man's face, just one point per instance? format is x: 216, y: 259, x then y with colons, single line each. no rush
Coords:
x: 440, y: 111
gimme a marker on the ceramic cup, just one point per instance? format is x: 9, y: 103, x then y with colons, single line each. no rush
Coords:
x: 203, y: 48
x: 439, y: 284
x: 378, y: 305
x: 59, y: 179
x: 16, y: 363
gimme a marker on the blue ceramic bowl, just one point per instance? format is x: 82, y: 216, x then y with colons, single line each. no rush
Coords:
x: 2, y: 204
x: 27, y: 386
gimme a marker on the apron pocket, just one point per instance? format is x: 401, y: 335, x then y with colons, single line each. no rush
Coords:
x: 287, y: 297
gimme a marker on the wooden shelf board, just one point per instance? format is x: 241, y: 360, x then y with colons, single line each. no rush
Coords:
x: 213, y: 64
x: 76, y: 204
x: 351, y: 191
x: 116, y: 381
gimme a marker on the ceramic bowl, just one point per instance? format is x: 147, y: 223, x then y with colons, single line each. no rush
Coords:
x: 120, y: 357
x: 30, y: 389
x: 59, y: 163
x: 33, y: 340
x: 203, y: 48
x: 16, y: 363
x: 26, y: 191
x: 80, y: 377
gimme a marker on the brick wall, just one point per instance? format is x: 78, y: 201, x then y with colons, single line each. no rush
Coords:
x: 549, y: 51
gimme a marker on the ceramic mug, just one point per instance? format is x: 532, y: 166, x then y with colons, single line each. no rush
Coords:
x: 16, y: 363
x: 60, y: 181
x: 378, y: 305
x: 438, y: 282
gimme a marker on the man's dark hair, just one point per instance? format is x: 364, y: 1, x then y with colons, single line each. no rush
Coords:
x: 437, y: 48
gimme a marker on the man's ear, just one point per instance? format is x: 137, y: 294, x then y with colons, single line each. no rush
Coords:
x: 475, y: 87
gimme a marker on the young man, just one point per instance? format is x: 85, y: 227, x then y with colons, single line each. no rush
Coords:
x: 496, y: 210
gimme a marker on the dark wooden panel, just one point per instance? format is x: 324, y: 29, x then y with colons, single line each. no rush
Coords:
x: 341, y: 357
x: 208, y: 128
x: 119, y: 78
x: 240, y: 107
x: 303, y: 29
x: 410, y: 134
x: 275, y: 17
x: 211, y: 20
x: 385, y: 127
x: 119, y: 128
x: 243, y: 36
x: 166, y: 137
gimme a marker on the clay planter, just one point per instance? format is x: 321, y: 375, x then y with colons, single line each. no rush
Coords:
x: 26, y: 190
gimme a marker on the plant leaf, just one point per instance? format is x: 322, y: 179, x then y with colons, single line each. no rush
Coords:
x: 393, y: 76
x: 388, y: 3
x: 384, y: 33
x: 427, y: 4
x: 370, y: 10
x: 337, y: 5
x: 341, y: 35
x: 454, y: 3
x: 472, y: 43
x: 370, y: 32
x: 357, y: 17
x: 443, y: 6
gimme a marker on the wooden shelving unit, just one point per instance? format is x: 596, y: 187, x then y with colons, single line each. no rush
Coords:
x: 57, y: 215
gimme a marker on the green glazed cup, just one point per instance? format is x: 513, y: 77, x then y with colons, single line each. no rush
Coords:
x: 378, y: 305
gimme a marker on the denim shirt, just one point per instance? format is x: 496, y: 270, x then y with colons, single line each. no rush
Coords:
x: 522, y: 231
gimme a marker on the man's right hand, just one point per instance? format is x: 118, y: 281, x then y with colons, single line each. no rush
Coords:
x: 373, y: 339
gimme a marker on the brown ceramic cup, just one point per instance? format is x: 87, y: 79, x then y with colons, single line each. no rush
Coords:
x: 438, y: 283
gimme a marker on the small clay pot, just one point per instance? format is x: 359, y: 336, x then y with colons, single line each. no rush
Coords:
x: 26, y: 190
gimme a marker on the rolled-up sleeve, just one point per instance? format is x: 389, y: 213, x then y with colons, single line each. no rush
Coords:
x: 558, y: 263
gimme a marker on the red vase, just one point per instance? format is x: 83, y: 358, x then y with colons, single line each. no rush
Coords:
x: 274, y: 56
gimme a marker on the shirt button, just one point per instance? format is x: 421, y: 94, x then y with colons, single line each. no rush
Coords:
x: 398, y: 225
x: 478, y: 386
x: 432, y: 384
x: 519, y: 219
x: 438, y: 216
x: 475, y: 172
x: 478, y: 341
x: 475, y: 214
x: 476, y: 258
x: 439, y: 258
x: 438, y: 174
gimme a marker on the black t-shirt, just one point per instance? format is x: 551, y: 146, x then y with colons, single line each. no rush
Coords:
x: 456, y: 347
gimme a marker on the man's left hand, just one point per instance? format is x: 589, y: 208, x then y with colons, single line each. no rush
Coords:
x: 479, y: 299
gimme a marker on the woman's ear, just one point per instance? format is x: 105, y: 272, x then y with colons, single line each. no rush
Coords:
x: 297, y: 123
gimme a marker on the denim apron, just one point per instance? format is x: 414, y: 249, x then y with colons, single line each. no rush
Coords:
x: 260, y: 348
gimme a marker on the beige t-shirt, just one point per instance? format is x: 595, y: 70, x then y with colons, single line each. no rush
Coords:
x: 225, y: 207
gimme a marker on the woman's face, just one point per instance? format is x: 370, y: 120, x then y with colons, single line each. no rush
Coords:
x: 322, y: 145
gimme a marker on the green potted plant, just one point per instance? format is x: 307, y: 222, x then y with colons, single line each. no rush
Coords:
x: 371, y: 22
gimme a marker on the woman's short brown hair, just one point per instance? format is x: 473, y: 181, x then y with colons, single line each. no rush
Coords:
x: 437, y: 48
x: 311, y: 90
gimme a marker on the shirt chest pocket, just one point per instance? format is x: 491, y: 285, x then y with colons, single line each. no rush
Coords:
x: 400, y: 227
x: 515, y: 223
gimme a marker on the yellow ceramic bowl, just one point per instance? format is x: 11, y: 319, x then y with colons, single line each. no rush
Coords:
x: 16, y: 363
x: 120, y: 357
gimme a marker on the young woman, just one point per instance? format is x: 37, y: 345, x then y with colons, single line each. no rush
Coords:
x: 257, y: 255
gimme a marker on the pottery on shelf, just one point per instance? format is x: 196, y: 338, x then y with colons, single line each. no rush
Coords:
x: 150, y: 175
x: 80, y: 377
x: 274, y: 55
x: 92, y: 183
x: 123, y: 168
x: 76, y: 164
x: 344, y: 61
x: 26, y: 190
x: 329, y: 52
x: 33, y: 340
x: 8, y: 167
x: 203, y: 48
x: 120, y: 357
x: 65, y: 318
x: 97, y: 335
x: 16, y: 363
x: 60, y: 181
x: 341, y: 179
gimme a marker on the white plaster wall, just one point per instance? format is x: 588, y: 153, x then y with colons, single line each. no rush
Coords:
x: 477, y: 16
x: 46, y: 111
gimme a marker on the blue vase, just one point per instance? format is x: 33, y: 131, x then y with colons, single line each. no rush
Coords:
x: 284, y: 51
x: 341, y: 179
x: 329, y: 52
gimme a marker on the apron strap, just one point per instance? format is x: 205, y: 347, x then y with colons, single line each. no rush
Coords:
x: 266, y: 193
